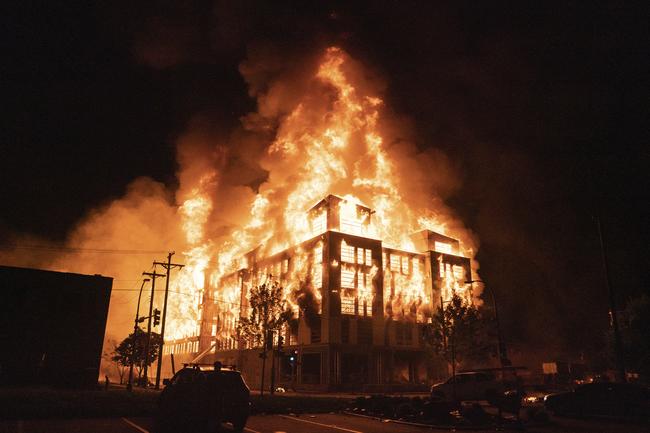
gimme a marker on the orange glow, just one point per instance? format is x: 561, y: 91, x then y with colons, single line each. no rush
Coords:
x: 331, y: 142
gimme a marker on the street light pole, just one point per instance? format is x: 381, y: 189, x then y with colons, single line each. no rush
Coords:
x: 129, y: 386
x: 618, y: 344
x: 501, y: 348
x: 153, y: 276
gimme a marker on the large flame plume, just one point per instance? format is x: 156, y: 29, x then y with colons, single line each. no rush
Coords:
x: 331, y: 141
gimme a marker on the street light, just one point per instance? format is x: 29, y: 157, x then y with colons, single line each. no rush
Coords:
x: 503, y: 355
x: 129, y: 386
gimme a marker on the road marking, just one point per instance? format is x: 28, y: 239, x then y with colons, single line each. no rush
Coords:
x: 320, y: 424
x: 134, y: 425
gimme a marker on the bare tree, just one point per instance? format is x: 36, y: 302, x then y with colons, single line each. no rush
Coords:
x: 267, y: 315
x: 460, y: 333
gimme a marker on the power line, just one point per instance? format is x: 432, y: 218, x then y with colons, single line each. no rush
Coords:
x: 73, y: 250
x: 180, y: 293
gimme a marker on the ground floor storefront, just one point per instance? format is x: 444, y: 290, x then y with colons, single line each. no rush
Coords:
x: 334, y: 367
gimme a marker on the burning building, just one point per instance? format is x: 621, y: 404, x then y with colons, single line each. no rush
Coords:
x: 348, y: 220
x: 358, y: 304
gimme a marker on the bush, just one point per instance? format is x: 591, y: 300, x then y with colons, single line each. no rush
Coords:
x: 297, y: 404
x: 31, y: 403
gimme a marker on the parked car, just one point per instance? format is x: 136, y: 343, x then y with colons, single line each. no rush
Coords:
x: 604, y: 399
x: 199, y: 400
x: 468, y: 386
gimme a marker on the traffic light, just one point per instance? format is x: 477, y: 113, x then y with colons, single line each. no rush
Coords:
x: 293, y: 356
x: 280, y: 342
x: 156, y: 317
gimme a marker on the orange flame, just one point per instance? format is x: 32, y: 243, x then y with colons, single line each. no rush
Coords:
x: 332, y: 142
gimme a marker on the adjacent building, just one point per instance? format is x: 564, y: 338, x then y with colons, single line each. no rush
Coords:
x: 52, y: 327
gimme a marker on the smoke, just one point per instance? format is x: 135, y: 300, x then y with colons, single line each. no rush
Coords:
x: 306, y: 299
x: 144, y: 219
x: 237, y: 188
x: 296, y: 106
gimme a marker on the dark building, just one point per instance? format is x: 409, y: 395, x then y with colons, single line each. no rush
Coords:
x: 52, y: 327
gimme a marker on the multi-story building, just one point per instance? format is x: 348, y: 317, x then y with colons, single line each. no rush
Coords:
x: 359, y: 305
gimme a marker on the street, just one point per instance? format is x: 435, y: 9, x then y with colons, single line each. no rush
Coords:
x: 321, y: 423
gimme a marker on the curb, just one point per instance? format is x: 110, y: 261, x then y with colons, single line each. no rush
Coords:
x: 427, y: 426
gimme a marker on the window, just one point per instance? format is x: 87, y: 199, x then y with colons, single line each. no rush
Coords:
x: 347, y: 278
x: 485, y: 377
x: 364, y: 331
x: 416, y: 265
x: 403, y: 333
x: 318, y: 253
x: 368, y: 257
x: 319, y: 223
x: 405, y: 265
x: 317, y: 275
x: 366, y: 308
x: 315, y: 331
x: 459, y: 272
x: 345, y: 331
x: 347, y: 253
x: 347, y: 305
x: 317, y: 267
x: 214, y: 329
x: 442, y: 247
x: 360, y: 256
x: 395, y: 263
x: 365, y: 281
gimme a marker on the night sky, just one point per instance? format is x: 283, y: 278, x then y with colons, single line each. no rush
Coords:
x: 542, y: 106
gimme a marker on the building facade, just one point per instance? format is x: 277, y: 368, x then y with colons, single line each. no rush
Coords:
x: 52, y: 327
x: 359, y: 305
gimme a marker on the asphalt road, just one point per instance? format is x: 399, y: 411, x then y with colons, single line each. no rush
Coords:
x: 321, y: 423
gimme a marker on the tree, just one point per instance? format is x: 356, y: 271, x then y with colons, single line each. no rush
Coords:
x: 109, y: 356
x: 124, y: 352
x: 460, y: 333
x: 267, y: 315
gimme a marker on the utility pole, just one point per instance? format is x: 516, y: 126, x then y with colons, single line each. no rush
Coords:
x: 168, y: 267
x: 501, y: 345
x: 620, y: 360
x: 129, y: 386
x: 153, y: 276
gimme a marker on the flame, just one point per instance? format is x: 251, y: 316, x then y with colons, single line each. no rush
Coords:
x: 331, y: 142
